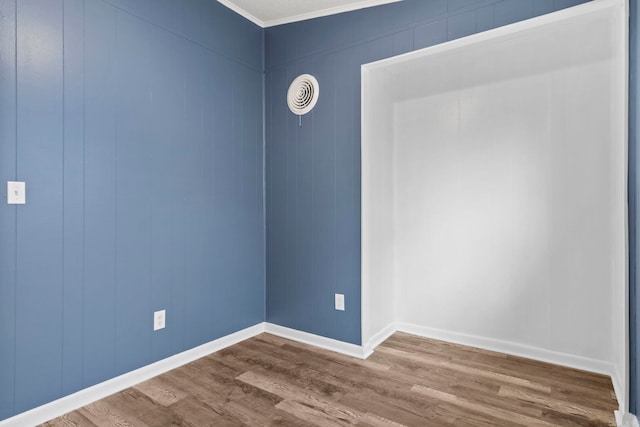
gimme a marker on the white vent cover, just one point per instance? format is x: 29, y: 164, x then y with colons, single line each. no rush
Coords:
x: 303, y: 94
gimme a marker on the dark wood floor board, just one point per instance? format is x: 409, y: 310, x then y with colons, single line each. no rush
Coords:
x: 597, y: 399
x: 252, y: 412
x: 459, y: 416
x: 580, y: 409
x: 508, y: 403
x: 446, y: 350
x: 131, y: 404
x: 232, y: 397
x: 72, y: 419
x: 219, y: 396
x: 454, y: 353
x: 311, y: 415
x: 481, y: 358
x: 320, y: 405
x: 102, y: 413
x: 403, y: 413
x: 245, y: 360
x: 469, y: 371
x: 431, y: 412
x: 325, y: 360
x: 567, y: 420
x: 481, y: 389
x: 392, y: 388
x: 408, y: 381
x: 195, y: 413
x: 537, y: 373
x: 344, y: 375
x: 471, y: 406
x: 217, y: 366
x: 304, y: 376
x: 161, y: 390
x: 306, y: 358
x: 189, y: 381
x: 160, y: 417
x: 338, y: 359
x: 325, y: 356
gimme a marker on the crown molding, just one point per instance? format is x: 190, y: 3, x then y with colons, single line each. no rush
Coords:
x: 304, y: 16
x: 240, y: 11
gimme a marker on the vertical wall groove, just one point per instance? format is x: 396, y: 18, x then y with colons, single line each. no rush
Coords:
x: 15, y: 211
x: 84, y: 194
x: 62, y: 253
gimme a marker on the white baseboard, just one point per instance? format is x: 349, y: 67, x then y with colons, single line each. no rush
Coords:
x: 317, y: 341
x: 616, y: 380
x: 379, y: 338
x: 84, y: 397
x: 626, y: 419
x: 515, y: 349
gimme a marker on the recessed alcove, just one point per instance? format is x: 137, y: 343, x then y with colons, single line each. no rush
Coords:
x: 494, y: 186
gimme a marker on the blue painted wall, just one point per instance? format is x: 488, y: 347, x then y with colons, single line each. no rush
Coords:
x: 313, y: 171
x: 634, y: 185
x: 137, y: 125
x: 138, y: 128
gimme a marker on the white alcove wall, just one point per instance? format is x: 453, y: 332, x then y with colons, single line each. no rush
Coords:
x: 494, y: 191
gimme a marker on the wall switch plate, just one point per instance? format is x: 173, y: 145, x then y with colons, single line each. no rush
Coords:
x: 159, y: 318
x: 340, y: 302
x: 16, y: 193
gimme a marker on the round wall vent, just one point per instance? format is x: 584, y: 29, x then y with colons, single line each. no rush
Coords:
x: 303, y: 94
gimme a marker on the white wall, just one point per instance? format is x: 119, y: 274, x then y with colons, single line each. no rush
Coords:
x: 503, y: 223
x: 378, y: 297
x: 508, y: 189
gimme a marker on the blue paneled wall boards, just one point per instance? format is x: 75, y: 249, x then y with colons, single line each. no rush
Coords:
x: 138, y: 128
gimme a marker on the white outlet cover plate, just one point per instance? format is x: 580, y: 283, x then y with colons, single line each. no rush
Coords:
x: 16, y: 193
x: 159, y: 318
x: 340, y: 302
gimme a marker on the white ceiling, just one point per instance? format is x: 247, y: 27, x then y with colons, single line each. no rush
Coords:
x: 267, y: 13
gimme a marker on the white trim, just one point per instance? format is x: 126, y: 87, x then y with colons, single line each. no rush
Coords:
x: 240, y: 11
x: 512, y: 348
x: 365, y: 298
x: 619, y: 389
x: 622, y: 379
x: 342, y: 347
x: 379, y: 338
x: 326, y: 12
x: 506, y: 30
x: 91, y: 394
x: 626, y: 419
x: 304, y: 16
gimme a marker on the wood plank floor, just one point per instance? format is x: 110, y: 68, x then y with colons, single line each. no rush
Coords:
x: 408, y: 381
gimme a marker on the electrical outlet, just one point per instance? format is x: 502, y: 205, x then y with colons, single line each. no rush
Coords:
x: 159, y: 318
x: 340, y: 302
